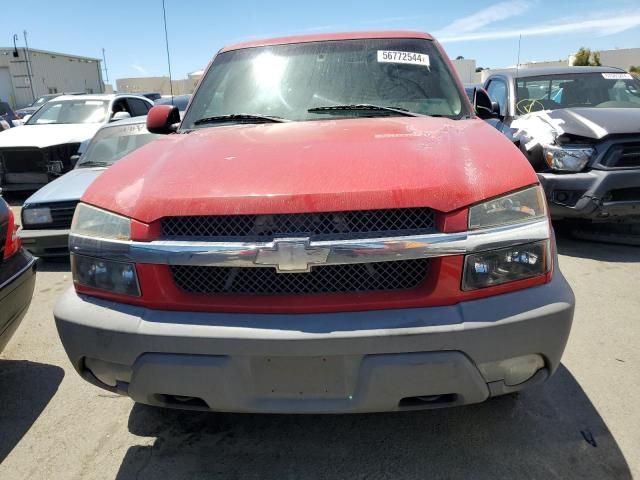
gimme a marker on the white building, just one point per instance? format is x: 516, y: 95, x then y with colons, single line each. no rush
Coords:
x: 466, y: 69
x: 25, y: 74
x: 623, y: 58
x: 159, y: 84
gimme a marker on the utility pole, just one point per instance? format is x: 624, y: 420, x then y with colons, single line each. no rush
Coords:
x: 29, y: 69
x: 106, y: 71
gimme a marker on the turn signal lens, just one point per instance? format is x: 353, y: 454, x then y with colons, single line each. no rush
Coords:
x: 95, y: 222
x: 521, y: 206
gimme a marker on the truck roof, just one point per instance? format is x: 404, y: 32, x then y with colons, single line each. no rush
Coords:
x: 320, y: 37
x: 540, y: 71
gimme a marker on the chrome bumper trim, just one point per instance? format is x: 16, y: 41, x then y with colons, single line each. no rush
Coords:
x: 338, y: 252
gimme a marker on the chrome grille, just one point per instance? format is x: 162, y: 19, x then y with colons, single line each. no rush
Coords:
x: 364, y: 277
x: 361, y: 224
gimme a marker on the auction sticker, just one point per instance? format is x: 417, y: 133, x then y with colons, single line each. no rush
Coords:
x: 616, y: 76
x: 410, y: 58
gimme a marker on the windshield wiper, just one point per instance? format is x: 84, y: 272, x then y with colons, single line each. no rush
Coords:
x: 93, y: 164
x: 247, y: 117
x: 364, y: 107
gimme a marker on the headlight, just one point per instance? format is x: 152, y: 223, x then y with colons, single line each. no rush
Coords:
x: 36, y: 216
x: 495, y: 267
x: 95, y: 222
x: 114, y: 277
x: 521, y: 206
x: 567, y: 159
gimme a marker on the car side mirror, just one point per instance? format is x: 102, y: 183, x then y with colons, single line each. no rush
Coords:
x: 120, y: 116
x: 163, y: 119
x: 484, y: 107
x: 26, y: 118
x: 74, y: 160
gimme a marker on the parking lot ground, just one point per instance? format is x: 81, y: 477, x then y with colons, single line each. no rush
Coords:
x: 584, y: 423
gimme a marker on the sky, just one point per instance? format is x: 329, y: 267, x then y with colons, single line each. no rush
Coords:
x: 132, y: 33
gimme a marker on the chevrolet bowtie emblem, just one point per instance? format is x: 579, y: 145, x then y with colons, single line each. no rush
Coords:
x: 292, y: 255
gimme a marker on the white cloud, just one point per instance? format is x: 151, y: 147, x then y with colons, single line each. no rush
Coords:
x: 139, y: 68
x: 494, y: 13
x: 607, y: 24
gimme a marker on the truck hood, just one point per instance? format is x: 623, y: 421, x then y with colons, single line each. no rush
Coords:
x: 47, y: 135
x: 314, y: 166
x: 594, y: 123
x: 70, y: 186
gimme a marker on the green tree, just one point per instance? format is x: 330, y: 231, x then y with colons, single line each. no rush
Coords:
x: 634, y: 69
x: 584, y: 57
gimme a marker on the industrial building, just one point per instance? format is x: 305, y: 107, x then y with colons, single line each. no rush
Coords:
x: 159, y: 84
x: 29, y: 74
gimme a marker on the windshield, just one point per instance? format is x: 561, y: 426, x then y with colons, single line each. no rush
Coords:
x: 551, y: 92
x: 70, y: 111
x: 288, y: 80
x: 40, y: 101
x: 112, y: 143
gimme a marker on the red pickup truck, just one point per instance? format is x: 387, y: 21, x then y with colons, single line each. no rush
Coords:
x: 330, y: 228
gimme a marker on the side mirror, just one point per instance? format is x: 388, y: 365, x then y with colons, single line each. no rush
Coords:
x: 120, y: 116
x: 26, y: 118
x: 484, y: 107
x: 74, y: 160
x: 163, y: 119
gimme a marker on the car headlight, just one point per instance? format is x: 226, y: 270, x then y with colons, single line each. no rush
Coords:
x: 521, y: 206
x: 36, y: 216
x: 95, y: 222
x: 114, y: 277
x: 494, y: 267
x: 567, y: 159
x: 94, y: 272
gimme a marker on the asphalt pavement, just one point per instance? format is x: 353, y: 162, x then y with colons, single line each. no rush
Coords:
x: 584, y: 423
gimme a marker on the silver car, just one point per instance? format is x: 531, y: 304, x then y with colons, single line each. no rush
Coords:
x: 47, y: 214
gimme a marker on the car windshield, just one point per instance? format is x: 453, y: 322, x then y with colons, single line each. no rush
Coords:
x: 70, y: 111
x: 110, y: 144
x: 40, y: 101
x: 287, y: 81
x: 551, y: 92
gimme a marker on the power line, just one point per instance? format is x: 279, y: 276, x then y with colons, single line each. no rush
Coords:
x: 166, y: 40
x: 106, y: 71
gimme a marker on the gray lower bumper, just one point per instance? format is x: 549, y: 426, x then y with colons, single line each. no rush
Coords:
x: 596, y: 195
x: 327, y: 363
x: 46, y: 243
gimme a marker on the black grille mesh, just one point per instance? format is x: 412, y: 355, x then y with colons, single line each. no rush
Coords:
x: 364, y: 277
x: 626, y: 155
x: 61, y: 215
x: 365, y: 223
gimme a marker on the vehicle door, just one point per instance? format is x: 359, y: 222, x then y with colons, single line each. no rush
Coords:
x: 498, y: 90
x: 138, y: 107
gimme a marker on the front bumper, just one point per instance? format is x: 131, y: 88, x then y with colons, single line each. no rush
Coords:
x: 46, y: 243
x: 316, y: 363
x: 17, y: 281
x: 598, y: 195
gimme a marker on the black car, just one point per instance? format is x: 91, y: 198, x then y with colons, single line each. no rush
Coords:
x: 580, y: 129
x: 153, y: 96
x: 180, y: 101
x: 17, y: 276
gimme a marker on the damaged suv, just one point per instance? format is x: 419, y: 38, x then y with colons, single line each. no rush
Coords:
x: 580, y: 129
x: 330, y: 228
x: 42, y: 149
